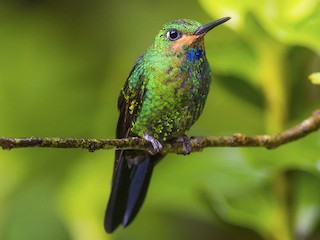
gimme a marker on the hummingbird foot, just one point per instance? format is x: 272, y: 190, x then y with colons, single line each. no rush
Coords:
x: 186, y: 143
x: 157, y: 146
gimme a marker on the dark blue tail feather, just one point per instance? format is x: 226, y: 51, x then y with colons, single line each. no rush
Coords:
x: 118, y: 197
x: 138, y: 189
x: 129, y: 188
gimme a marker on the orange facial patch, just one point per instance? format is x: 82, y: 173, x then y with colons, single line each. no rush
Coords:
x: 186, y: 40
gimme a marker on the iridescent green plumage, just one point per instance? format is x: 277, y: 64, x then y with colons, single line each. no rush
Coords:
x: 175, y: 87
x: 163, y: 96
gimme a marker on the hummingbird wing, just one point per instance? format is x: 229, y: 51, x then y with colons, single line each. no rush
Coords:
x: 132, y: 169
x: 131, y: 98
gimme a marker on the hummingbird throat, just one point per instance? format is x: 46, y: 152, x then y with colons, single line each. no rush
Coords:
x: 194, y: 55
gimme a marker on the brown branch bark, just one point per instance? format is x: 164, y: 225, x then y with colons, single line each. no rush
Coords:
x: 304, y: 128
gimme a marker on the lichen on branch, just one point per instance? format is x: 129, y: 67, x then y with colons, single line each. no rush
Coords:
x: 302, y: 129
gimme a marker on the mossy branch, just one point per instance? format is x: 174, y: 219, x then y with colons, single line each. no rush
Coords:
x: 304, y: 128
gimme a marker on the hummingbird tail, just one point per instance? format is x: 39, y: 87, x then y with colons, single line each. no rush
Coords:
x: 138, y: 189
x: 129, y: 188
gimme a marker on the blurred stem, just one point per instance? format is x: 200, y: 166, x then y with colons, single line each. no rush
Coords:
x: 282, y: 229
x: 273, y: 84
x: 274, y: 87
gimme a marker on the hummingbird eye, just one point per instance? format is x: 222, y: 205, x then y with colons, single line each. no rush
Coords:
x: 174, y: 34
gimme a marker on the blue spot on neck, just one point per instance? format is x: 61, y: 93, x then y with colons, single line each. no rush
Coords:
x: 193, y: 55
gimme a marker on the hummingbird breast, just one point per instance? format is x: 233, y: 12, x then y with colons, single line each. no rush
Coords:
x: 176, y: 90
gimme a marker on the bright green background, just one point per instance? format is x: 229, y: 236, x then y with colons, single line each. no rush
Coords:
x: 62, y: 66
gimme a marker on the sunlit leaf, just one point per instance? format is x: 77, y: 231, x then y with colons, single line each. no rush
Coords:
x: 315, y: 78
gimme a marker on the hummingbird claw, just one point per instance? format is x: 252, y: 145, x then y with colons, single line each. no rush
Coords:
x: 187, y: 147
x: 157, y: 146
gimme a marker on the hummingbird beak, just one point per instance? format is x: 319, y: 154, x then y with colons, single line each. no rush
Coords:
x: 206, y: 28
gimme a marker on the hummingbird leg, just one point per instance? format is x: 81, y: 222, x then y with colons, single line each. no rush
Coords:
x: 187, y: 147
x: 157, y: 146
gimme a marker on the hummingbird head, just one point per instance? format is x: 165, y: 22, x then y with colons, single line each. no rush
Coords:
x: 178, y: 35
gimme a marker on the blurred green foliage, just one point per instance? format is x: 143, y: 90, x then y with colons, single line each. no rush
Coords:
x: 62, y: 66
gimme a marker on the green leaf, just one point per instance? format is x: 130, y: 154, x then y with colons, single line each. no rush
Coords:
x: 315, y: 78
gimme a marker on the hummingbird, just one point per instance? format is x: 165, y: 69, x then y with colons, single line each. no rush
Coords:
x: 162, y: 98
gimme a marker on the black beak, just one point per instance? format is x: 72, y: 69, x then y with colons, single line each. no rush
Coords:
x: 206, y: 28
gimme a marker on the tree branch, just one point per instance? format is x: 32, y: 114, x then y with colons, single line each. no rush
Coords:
x: 306, y: 127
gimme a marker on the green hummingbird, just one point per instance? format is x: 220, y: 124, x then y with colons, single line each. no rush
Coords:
x: 162, y: 98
